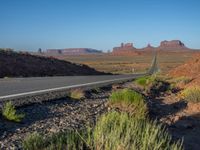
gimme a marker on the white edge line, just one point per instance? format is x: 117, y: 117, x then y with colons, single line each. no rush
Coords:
x: 62, y: 88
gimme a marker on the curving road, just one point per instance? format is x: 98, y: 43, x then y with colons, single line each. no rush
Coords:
x: 19, y: 87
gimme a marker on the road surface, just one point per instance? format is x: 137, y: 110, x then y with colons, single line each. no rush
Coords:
x: 19, y: 87
x: 15, y: 87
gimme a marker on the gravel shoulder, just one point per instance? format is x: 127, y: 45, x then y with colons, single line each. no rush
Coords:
x: 181, y: 119
x: 52, y: 117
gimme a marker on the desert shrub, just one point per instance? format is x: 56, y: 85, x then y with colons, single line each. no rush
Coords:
x: 129, y: 101
x: 179, y: 81
x: 191, y: 94
x: 115, y: 131
x: 70, y: 139
x: 154, y: 85
x: 145, y: 81
x: 182, y: 79
x: 112, y: 131
x: 33, y: 141
x: 77, y: 94
x: 9, y: 112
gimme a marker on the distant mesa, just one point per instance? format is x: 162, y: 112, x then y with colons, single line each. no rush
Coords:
x: 172, y: 45
x: 128, y: 48
x: 72, y: 51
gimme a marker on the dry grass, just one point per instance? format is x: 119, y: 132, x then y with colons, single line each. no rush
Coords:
x: 77, y: 94
x: 191, y: 94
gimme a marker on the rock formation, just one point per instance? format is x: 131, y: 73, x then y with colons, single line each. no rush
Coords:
x: 172, y: 45
x: 124, y: 49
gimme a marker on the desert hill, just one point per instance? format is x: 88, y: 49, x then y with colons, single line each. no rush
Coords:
x: 16, y: 64
x: 190, y: 70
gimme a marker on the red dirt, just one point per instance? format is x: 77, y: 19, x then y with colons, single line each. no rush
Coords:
x: 191, y: 69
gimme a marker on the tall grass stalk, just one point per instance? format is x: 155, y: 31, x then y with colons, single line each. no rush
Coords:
x: 116, y: 131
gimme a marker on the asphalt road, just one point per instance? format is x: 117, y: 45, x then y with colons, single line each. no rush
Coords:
x: 15, y: 87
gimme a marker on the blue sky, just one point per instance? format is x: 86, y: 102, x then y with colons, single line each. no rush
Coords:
x: 99, y: 24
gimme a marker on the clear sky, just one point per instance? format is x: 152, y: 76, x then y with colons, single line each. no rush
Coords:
x: 99, y: 24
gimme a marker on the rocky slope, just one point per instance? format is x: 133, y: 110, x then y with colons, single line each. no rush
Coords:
x: 13, y: 64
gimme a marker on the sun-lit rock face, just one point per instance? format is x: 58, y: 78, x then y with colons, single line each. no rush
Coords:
x: 172, y: 45
x: 124, y: 49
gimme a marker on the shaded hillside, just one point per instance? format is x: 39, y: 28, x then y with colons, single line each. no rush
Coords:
x: 13, y: 64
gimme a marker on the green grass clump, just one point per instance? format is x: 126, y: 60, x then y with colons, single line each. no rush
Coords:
x: 129, y: 101
x: 145, y: 81
x: 191, y: 94
x: 77, y: 94
x: 33, y: 141
x: 70, y: 139
x: 9, y: 112
x: 116, y: 131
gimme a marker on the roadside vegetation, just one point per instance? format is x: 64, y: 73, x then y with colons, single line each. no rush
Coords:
x: 121, y: 131
x: 191, y: 94
x: 113, y: 131
x: 128, y: 101
x: 77, y: 94
x: 145, y: 81
x: 179, y: 82
x: 154, y: 85
x: 10, y: 113
x: 71, y: 139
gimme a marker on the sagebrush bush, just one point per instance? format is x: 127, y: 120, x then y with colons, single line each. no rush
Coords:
x: 191, y: 94
x: 9, y: 112
x: 116, y: 131
x: 129, y: 101
x: 70, y: 140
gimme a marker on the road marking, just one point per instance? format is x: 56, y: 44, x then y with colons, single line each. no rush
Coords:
x: 65, y: 87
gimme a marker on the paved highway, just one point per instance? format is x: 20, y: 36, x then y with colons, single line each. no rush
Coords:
x: 19, y: 87
x: 15, y: 87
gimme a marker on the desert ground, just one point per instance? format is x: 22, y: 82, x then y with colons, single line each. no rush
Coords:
x: 160, y: 111
x: 130, y: 63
